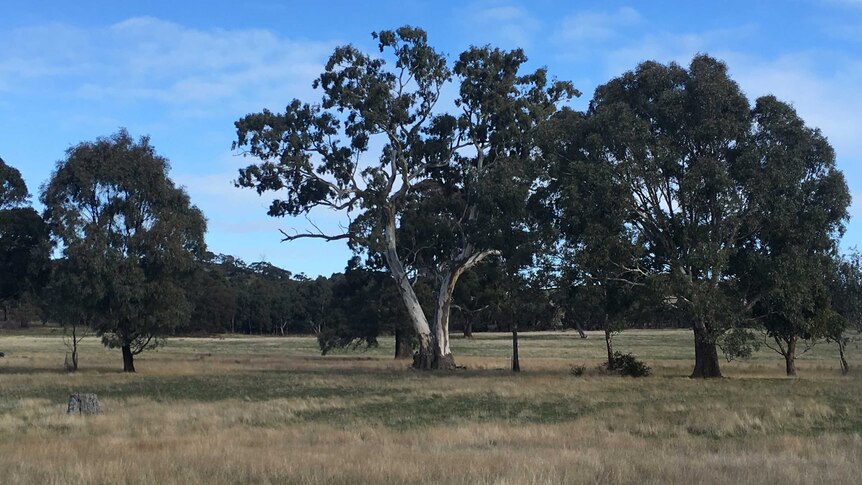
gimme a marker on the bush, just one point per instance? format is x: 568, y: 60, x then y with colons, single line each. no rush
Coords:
x: 578, y: 370
x: 628, y: 365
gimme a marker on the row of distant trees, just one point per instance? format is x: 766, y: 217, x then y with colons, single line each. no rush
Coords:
x: 669, y: 200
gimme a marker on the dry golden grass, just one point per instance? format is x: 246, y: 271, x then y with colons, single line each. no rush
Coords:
x: 270, y: 410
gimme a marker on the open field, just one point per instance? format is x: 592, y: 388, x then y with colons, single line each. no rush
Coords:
x: 271, y: 410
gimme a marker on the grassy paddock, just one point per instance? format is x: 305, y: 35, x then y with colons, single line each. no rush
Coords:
x: 271, y: 410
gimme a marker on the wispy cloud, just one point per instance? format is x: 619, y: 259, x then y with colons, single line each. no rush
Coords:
x: 503, y: 25
x: 591, y: 26
x: 149, y: 59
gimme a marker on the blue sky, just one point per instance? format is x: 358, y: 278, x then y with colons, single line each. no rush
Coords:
x: 183, y: 72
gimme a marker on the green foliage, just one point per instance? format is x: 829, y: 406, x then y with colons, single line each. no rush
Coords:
x: 133, y: 235
x: 25, y: 249
x: 670, y: 135
x: 800, y: 201
x: 13, y: 190
x: 628, y: 365
x: 845, y: 288
x: 450, y: 185
x: 739, y: 343
x: 25, y: 245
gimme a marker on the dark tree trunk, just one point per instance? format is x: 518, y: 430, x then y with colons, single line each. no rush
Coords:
x: 790, y: 357
x: 841, y: 346
x: 402, y: 344
x: 705, y: 355
x: 516, y: 362
x: 128, y: 359
x: 580, y: 329
x: 468, y: 327
x: 74, y: 348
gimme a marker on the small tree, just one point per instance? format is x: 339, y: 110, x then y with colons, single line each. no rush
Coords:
x: 599, y: 257
x: 845, y: 289
x: 798, y: 201
x: 72, y: 298
x: 119, y: 217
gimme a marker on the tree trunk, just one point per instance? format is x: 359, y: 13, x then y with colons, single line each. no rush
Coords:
x: 128, y: 359
x: 790, y: 357
x: 442, y: 312
x: 74, y: 348
x: 841, y: 346
x: 581, y: 332
x: 705, y: 354
x: 468, y: 327
x: 609, y: 343
x: 425, y: 357
x: 402, y: 344
x: 516, y: 362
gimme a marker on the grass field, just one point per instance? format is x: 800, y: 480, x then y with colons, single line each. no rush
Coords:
x: 272, y: 410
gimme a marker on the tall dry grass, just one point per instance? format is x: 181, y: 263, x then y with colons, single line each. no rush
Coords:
x: 261, y: 410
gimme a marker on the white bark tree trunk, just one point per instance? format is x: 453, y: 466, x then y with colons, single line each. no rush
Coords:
x: 424, y: 358
x: 434, y: 351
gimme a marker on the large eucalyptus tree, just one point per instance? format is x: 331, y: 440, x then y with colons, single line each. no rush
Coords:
x: 450, y: 182
x: 725, y: 196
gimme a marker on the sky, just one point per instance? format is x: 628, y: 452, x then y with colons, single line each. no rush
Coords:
x: 183, y: 72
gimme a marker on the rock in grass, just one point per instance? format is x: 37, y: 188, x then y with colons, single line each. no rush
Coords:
x: 80, y: 403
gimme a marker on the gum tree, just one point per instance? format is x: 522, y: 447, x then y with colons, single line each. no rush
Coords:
x: 133, y: 235
x: 670, y: 135
x: 799, y: 204
x: 736, y: 205
x: 380, y: 148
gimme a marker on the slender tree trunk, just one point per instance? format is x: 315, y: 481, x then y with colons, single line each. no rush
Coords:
x: 128, y: 359
x: 74, y: 348
x: 790, y: 357
x: 402, y: 344
x: 609, y: 343
x: 705, y: 354
x: 580, y: 329
x: 841, y: 347
x: 516, y: 361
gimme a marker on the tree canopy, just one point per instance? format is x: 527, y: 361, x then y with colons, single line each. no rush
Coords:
x: 378, y: 148
x: 706, y: 182
x: 118, y: 216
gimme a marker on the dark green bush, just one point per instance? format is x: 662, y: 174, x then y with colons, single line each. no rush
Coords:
x: 628, y: 365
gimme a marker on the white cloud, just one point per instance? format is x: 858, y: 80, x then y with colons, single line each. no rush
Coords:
x: 147, y: 59
x: 826, y: 96
x: 505, y: 26
x: 593, y: 26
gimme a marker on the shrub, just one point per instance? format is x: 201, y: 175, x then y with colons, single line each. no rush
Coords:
x: 628, y: 365
x: 578, y: 370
